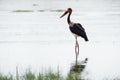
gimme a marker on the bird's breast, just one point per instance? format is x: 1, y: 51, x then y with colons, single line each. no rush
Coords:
x: 75, y: 35
x: 71, y: 24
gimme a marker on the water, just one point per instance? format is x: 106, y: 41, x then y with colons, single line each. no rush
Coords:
x: 41, y: 39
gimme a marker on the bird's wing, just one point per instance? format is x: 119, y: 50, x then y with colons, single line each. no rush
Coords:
x: 79, y: 26
x: 79, y: 30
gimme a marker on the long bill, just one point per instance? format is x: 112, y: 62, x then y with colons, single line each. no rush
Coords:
x: 64, y: 14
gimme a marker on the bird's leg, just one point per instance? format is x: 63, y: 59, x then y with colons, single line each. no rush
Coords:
x: 76, y: 49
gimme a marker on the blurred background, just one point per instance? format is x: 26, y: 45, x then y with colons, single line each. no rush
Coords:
x: 33, y: 36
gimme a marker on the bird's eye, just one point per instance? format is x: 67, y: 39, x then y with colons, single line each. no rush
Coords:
x: 69, y: 10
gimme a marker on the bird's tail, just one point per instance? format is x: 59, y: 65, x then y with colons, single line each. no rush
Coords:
x: 86, y: 38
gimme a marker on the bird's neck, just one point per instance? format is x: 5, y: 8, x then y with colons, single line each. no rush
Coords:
x: 68, y: 18
x: 69, y: 21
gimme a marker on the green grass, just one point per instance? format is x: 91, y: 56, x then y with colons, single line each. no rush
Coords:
x: 47, y: 75
x: 30, y: 75
x: 58, y: 10
x: 23, y: 11
x: 6, y: 77
x: 41, y: 10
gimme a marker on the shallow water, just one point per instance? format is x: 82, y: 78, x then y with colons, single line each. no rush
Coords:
x: 40, y: 39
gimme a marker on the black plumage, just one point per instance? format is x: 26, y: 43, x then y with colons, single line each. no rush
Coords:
x: 75, y: 28
x: 78, y: 30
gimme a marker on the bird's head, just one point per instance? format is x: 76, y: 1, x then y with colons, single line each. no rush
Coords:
x: 69, y: 10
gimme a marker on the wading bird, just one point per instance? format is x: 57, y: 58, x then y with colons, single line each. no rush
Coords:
x: 75, y: 28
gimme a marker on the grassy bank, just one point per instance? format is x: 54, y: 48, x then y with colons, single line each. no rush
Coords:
x: 30, y: 75
x: 47, y: 75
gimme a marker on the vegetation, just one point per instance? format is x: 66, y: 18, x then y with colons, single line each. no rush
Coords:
x: 48, y: 75
x: 41, y: 10
x: 6, y: 77
x: 58, y: 10
x: 23, y: 11
x: 29, y: 75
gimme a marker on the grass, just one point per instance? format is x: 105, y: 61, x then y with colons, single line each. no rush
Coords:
x: 58, y: 10
x: 23, y: 11
x: 6, y: 77
x: 41, y: 10
x: 47, y: 75
x: 29, y: 75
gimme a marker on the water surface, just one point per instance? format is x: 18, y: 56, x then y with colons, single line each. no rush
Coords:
x: 40, y: 39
